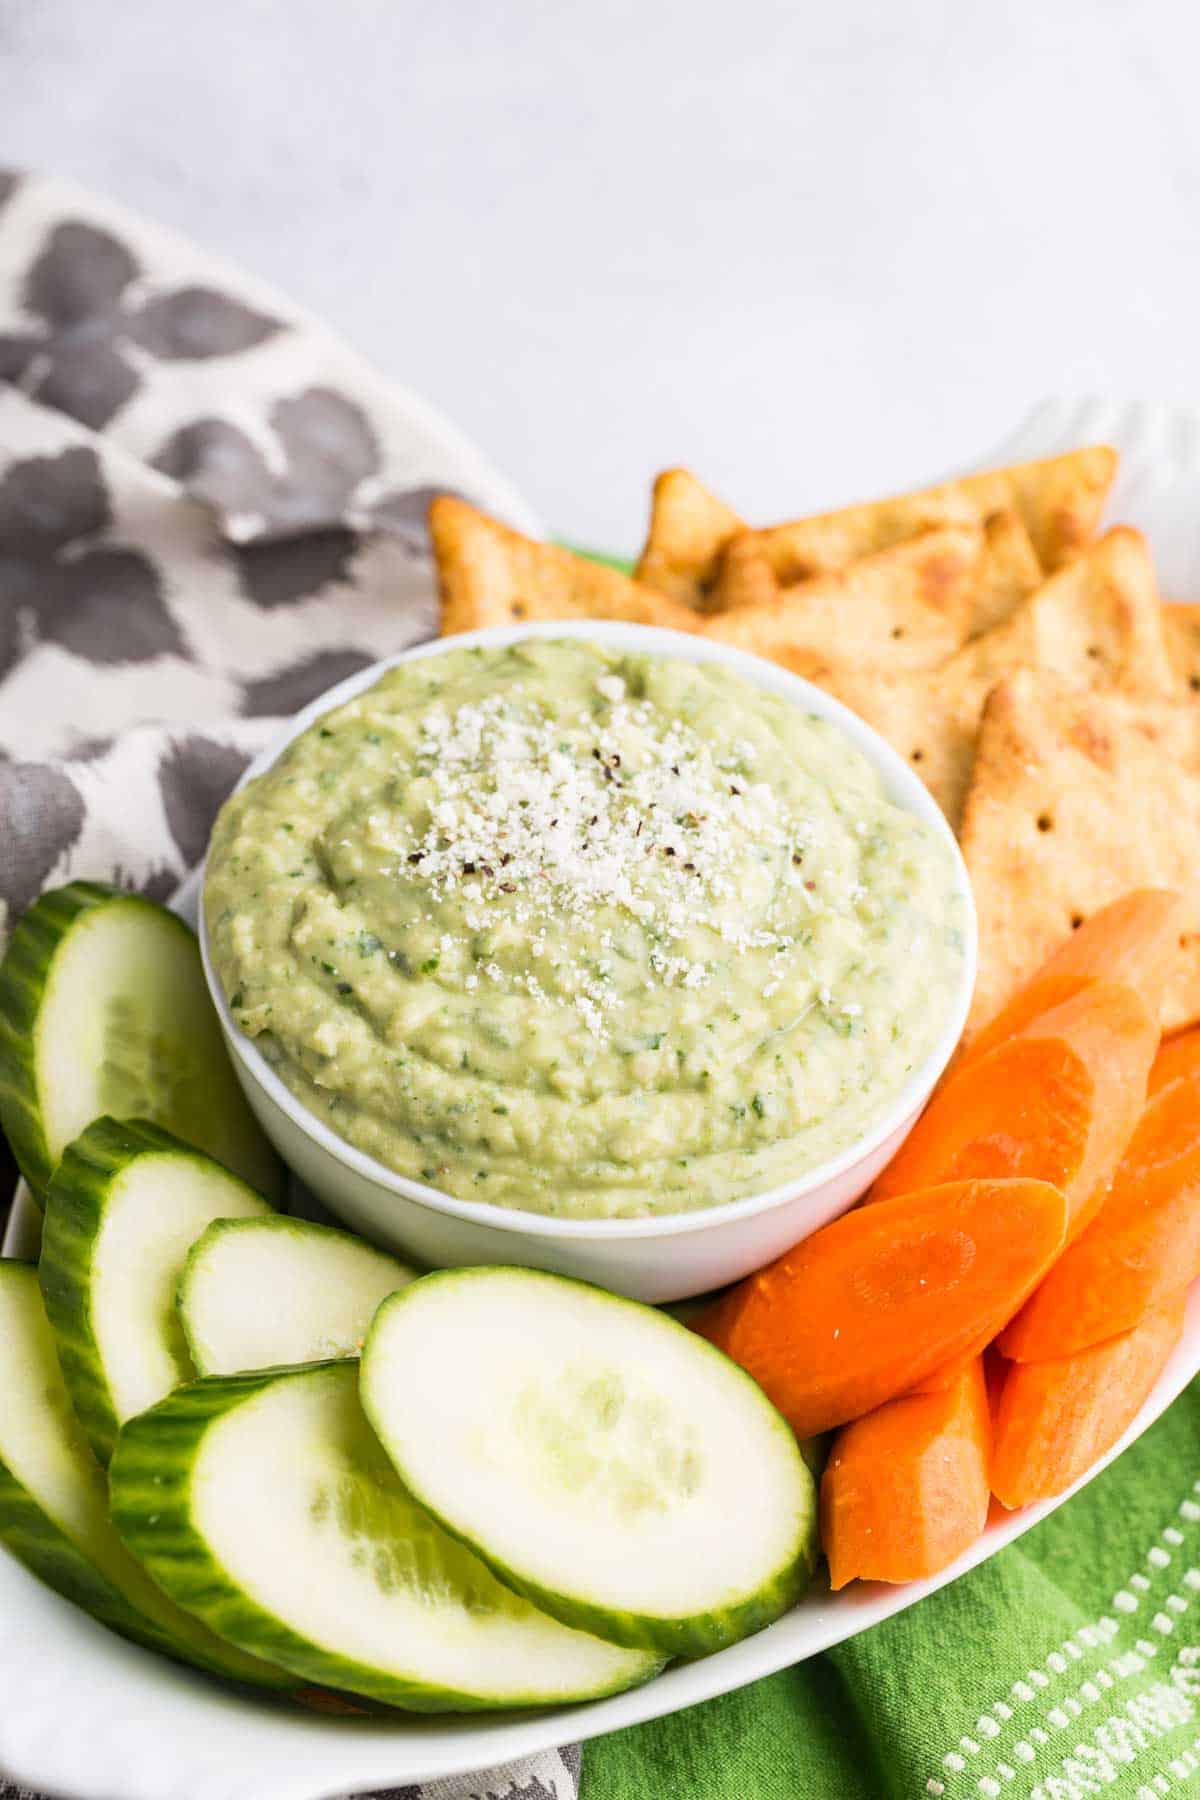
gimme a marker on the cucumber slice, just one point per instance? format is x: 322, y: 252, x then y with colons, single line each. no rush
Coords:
x: 607, y: 1463
x: 124, y: 1206
x: 103, y: 1009
x: 54, y: 1501
x: 256, y: 1293
x: 264, y: 1504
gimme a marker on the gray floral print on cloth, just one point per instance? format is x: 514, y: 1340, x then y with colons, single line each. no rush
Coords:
x: 290, y: 689
x: 126, y: 602
x: 325, y: 449
x: 41, y: 817
x: 108, y: 318
x: 80, y: 292
x: 58, y: 584
x: 174, y: 580
x: 194, y: 775
x: 276, y: 571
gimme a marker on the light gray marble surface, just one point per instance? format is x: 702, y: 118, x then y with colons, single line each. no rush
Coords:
x: 812, y: 250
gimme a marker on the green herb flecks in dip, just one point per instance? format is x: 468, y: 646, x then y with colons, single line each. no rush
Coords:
x: 586, y: 933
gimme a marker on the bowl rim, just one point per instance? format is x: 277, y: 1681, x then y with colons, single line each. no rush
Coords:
x: 903, y: 787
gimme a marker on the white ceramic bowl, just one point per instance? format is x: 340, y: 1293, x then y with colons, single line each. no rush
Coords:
x: 662, y: 1258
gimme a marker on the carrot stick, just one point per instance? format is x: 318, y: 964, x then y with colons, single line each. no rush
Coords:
x: 906, y: 1488
x: 1132, y: 942
x: 1047, y: 1139
x: 875, y: 1302
x: 1143, y: 1247
x: 946, y: 1376
x: 1057, y: 1102
x: 1178, y: 1058
x: 1053, y: 1420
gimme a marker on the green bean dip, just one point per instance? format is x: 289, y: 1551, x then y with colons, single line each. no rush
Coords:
x: 594, y: 934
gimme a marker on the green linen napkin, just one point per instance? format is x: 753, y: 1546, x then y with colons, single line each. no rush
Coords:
x: 1067, y: 1666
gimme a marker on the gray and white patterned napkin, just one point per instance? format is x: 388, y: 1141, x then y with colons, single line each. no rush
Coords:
x: 210, y: 510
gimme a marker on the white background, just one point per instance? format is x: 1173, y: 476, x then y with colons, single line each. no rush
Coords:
x: 813, y: 250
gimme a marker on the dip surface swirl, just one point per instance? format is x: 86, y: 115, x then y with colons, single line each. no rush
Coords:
x: 583, y: 932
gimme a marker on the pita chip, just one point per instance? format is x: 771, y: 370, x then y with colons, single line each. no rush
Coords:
x: 1011, y: 570
x: 1097, y: 623
x: 907, y: 607
x: 491, y: 575
x: 1076, y: 797
x: 1059, y: 501
x: 689, y: 528
x: 1183, y: 646
x: 931, y: 724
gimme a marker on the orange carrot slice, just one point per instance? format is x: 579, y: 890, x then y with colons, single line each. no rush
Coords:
x: 1132, y: 942
x: 1178, y: 1059
x: 875, y: 1302
x: 1053, y: 1420
x: 948, y: 1374
x: 906, y: 1488
x: 1058, y: 1102
x: 1143, y: 1246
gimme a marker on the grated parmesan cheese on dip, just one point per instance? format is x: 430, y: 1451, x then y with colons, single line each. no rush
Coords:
x: 586, y: 933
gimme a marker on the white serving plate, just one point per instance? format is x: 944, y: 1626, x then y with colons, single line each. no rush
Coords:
x: 142, y: 1729
x: 84, y: 1714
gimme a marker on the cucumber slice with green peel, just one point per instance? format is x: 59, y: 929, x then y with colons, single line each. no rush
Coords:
x: 264, y: 1504
x: 54, y: 1501
x: 256, y: 1293
x: 104, y: 1009
x: 606, y: 1462
x: 124, y: 1206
